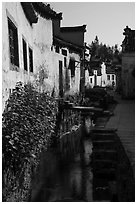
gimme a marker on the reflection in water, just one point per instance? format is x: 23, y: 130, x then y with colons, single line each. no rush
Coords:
x: 82, y: 180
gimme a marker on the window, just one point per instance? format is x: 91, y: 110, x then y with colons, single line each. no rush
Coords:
x: 113, y: 77
x: 13, y: 43
x: 64, y: 52
x: 30, y: 60
x: 108, y: 77
x: 65, y: 62
x: 57, y: 49
x: 10, y: 92
x: 91, y: 80
x: 72, y: 67
x: 25, y: 54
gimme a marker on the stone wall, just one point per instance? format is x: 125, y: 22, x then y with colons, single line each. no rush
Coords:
x: 128, y: 75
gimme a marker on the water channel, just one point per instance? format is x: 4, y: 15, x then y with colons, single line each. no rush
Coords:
x: 99, y: 172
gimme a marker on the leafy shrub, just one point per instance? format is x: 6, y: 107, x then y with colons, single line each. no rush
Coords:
x: 29, y: 121
x: 75, y: 99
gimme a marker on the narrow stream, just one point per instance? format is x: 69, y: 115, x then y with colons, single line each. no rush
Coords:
x: 100, y: 172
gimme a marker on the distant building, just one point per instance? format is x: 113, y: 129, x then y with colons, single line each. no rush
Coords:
x: 109, y: 75
x: 103, y: 76
x: 69, y: 54
x: 95, y: 72
x: 128, y: 63
x: 87, y: 63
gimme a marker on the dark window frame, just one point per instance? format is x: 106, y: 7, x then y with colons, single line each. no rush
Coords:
x: 24, y: 45
x: 108, y: 77
x: 30, y: 60
x: 57, y: 49
x: 113, y: 77
x: 65, y: 62
x: 72, y: 67
x: 13, y: 43
x: 64, y: 52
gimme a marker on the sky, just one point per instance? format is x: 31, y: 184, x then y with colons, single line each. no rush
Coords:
x: 104, y: 19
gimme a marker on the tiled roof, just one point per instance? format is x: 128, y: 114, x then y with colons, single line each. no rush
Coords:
x: 30, y: 9
x: 45, y: 11
x: 29, y: 12
x: 62, y: 42
x: 75, y: 28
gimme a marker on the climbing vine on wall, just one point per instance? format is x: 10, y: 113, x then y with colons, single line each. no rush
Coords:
x: 28, y: 124
x: 41, y: 75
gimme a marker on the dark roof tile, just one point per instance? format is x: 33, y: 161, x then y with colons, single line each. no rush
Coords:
x: 73, y: 29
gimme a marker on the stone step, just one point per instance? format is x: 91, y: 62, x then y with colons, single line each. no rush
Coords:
x: 103, y: 133
x: 109, y: 174
x: 104, y: 154
x: 103, y: 163
x: 104, y: 144
x: 103, y: 136
x: 104, y: 130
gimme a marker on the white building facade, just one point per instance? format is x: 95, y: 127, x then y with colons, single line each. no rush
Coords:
x: 27, y: 41
x: 105, y: 79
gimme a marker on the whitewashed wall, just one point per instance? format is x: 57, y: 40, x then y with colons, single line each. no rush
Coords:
x: 102, y: 80
x: 38, y: 37
x: 75, y: 81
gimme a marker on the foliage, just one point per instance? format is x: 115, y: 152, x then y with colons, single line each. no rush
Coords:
x: 76, y: 98
x: 40, y: 76
x: 28, y: 124
x: 96, y: 97
x: 103, y: 52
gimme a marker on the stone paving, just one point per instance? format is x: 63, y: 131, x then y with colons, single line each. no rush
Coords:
x: 124, y: 121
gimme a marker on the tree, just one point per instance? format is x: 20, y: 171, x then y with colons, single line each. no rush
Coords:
x: 102, y: 51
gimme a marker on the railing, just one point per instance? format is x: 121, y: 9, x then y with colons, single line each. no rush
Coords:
x: 69, y: 119
x: 71, y: 115
x: 70, y: 127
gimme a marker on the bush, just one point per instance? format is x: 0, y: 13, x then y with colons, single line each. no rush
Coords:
x: 28, y: 125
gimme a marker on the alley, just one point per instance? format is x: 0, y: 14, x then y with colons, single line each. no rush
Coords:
x: 124, y: 121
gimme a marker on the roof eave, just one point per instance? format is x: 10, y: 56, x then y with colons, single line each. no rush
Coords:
x: 45, y: 11
x: 29, y: 12
x: 74, y: 29
x: 65, y: 43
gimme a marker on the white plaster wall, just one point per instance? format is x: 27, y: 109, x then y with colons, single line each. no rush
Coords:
x: 105, y: 81
x: 86, y: 77
x: 56, y: 57
x: 109, y: 82
x: 42, y: 43
x: 15, y: 13
x: 98, y: 80
x: 93, y: 81
x: 104, y: 76
x: 38, y: 37
x: 102, y: 80
x: 91, y: 84
x: 75, y: 81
